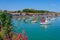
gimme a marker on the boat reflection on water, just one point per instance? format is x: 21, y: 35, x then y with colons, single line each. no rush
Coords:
x: 44, y: 27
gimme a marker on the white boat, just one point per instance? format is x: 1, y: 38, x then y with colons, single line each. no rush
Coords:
x: 46, y: 22
x: 53, y: 19
x: 34, y: 21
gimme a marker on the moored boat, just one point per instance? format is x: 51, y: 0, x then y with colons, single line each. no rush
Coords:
x: 53, y: 18
x: 34, y: 21
x: 44, y: 21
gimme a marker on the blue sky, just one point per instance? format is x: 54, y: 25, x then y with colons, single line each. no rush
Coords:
x: 51, y: 5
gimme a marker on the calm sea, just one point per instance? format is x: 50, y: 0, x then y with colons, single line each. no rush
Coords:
x: 35, y: 31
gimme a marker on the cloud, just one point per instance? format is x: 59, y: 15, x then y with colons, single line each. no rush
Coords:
x: 53, y: 4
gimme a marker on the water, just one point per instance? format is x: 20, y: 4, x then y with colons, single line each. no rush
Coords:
x: 35, y: 31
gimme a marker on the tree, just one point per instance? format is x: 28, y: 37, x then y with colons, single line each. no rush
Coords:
x: 18, y: 11
x: 8, y: 26
x: 2, y: 19
x: 34, y: 11
x: 26, y: 10
x: 5, y: 23
x: 5, y: 11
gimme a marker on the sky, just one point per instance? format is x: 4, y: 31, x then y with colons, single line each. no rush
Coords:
x: 51, y: 5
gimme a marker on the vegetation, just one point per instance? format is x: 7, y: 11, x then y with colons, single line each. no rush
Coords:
x: 34, y: 11
x: 17, y: 11
x: 5, y: 23
x: 6, y: 28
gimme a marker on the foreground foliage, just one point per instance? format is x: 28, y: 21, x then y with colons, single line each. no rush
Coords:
x: 5, y: 24
x: 6, y: 28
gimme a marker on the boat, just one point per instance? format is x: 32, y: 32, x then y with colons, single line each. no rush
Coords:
x: 34, y: 21
x: 45, y: 22
x: 53, y: 19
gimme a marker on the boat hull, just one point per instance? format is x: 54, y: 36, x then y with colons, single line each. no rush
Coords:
x: 44, y: 23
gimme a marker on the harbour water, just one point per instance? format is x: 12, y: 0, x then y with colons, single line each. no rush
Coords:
x: 35, y: 31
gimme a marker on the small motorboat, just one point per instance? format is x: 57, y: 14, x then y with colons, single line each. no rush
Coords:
x: 34, y: 21
x: 45, y: 21
x: 53, y: 19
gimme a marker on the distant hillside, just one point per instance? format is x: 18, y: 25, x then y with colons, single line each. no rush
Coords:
x: 32, y: 11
